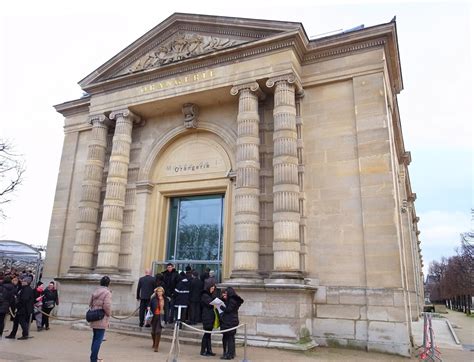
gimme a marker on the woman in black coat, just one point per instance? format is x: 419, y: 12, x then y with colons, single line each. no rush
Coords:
x: 230, y: 319
x: 208, y: 315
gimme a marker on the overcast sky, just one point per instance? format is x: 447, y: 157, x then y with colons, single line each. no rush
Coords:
x: 46, y: 47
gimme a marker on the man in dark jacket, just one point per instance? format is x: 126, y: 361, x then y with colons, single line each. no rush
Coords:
x: 170, y: 280
x: 145, y: 289
x: 195, y: 290
x: 6, y: 300
x: 181, y: 298
x: 24, y: 309
x: 230, y: 319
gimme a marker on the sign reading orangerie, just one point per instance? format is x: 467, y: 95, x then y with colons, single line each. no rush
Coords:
x: 185, y: 79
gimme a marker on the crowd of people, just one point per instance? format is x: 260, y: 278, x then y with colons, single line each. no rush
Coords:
x: 25, y: 303
x: 192, y: 298
x: 167, y: 297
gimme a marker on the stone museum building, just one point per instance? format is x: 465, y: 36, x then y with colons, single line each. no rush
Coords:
x: 244, y: 146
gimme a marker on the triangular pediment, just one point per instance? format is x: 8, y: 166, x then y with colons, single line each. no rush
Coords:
x: 180, y: 46
x: 182, y: 37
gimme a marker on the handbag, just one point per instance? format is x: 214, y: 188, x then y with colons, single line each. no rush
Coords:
x: 49, y: 304
x: 148, y: 317
x: 95, y: 315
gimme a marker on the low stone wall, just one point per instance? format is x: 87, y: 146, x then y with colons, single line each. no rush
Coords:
x: 75, y: 295
x: 371, y: 319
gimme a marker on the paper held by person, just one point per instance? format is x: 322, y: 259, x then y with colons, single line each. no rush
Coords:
x: 218, y: 303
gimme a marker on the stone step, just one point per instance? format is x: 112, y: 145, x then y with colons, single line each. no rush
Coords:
x: 186, y: 336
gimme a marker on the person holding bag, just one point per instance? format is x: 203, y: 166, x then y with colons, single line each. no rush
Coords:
x: 208, y: 316
x: 101, y: 298
x: 157, y: 307
x: 50, y: 299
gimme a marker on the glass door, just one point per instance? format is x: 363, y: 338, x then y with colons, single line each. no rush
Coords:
x: 195, y: 232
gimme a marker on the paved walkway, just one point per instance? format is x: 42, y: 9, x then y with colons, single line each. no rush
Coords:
x: 463, y: 327
x: 62, y: 343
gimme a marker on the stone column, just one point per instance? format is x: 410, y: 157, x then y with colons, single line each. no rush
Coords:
x: 87, y: 223
x: 114, y: 202
x: 286, y: 213
x: 247, y: 192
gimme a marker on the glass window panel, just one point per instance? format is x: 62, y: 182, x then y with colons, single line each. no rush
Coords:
x: 195, y: 229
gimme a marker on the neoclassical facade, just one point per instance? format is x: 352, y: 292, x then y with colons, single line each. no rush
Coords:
x: 243, y: 146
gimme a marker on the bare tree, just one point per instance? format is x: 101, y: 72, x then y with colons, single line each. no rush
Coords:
x: 12, y: 168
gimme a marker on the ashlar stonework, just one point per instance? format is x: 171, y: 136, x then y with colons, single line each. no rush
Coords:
x: 295, y: 146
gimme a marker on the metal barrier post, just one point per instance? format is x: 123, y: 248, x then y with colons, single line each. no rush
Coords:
x: 245, y: 344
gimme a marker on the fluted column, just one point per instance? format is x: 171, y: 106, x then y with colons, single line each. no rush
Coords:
x: 88, y: 211
x: 247, y: 192
x: 114, y: 202
x: 286, y: 213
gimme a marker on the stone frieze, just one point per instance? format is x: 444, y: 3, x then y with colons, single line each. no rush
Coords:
x: 179, y: 47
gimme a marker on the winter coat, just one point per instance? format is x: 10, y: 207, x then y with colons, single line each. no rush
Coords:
x: 182, y: 293
x: 170, y: 280
x: 25, y: 300
x: 8, y: 297
x: 230, y: 315
x: 101, y: 298
x: 50, y: 295
x: 207, y: 313
x: 195, y: 290
x: 146, y: 286
x: 154, y: 304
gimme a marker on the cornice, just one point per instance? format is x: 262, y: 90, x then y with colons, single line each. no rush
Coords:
x: 263, y: 37
x: 73, y: 107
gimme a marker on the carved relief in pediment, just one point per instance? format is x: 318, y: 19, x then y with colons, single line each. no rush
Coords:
x: 181, y: 46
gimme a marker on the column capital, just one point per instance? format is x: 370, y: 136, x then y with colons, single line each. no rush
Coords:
x: 99, y: 118
x: 291, y: 78
x: 252, y: 86
x: 125, y: 113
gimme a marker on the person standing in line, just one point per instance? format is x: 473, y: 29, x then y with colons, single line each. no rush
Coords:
x: 24, y: 309
x: 208, y: 317
x: 101, y: 298
x: 181, y: 298
x: 146, y: 286
x: 37, y: 307
x: 157, y: 307
x: 196, y: 287
x: 7, y: 296
x: 230, y: 319
x: 50, y: 299
x: 170, y: 280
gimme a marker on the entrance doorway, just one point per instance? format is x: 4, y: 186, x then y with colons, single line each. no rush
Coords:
x: 195, y: 229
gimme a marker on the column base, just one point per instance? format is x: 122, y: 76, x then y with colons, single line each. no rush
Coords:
x: 107, y: 270
x: 246, y: 276
x: 79, y: 270
x: 286, y: 275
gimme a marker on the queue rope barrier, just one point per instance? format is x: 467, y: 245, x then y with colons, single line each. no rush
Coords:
x: 174, y: 350
x: 74, y: 319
